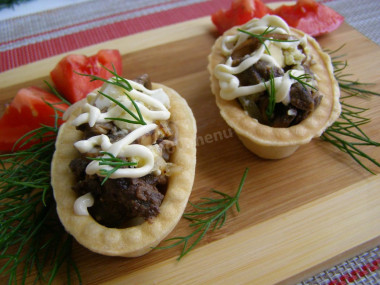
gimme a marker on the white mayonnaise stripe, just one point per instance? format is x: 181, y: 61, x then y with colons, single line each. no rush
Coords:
x: 131, y: 137
x: 121, y: 148
x: 160, y: 112
x: 91, y: 115
x: 145, y: 163
x: 87, y: 145
x: 82, y: 203
x: 153, y: 104
x: 254, y: 27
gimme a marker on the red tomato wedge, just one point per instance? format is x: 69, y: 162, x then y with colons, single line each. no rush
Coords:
x: 240, y: 12
x: 306, y: 15
x: 27, y: 111
x: 75, y: 87
x: 310, y: 17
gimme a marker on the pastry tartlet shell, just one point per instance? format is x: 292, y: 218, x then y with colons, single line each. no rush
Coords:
x: 137, y: 240
x: 276, y: 143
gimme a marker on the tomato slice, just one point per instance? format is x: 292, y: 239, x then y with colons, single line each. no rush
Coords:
x: 27, y: 111
x: 310, y: 16
x: 75, y: 87
x: 240, y: 12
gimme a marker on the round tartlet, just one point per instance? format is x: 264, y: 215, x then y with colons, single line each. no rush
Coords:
x: 276, y: 143
x: 140, y: 239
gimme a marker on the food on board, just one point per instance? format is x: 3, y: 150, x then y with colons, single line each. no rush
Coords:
x: 124, y: 166
x: 273, y: 85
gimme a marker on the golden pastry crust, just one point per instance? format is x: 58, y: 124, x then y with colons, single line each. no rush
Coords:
x: 275, y: 143
x: 137, y: 240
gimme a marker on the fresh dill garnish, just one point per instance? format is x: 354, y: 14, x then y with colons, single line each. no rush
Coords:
x: 31, y: 235
x: 56, y: 93
x: 139, y: 120
x: 113, y: 161
x: 121, y: 82
x: 348, y: 126
x: 264, y: 37
x: 215, y: 212
x: 345, y: 133
x: 117, y: 80
x: 302, y: 79
x: 272, y: 95
x: 350, y: 87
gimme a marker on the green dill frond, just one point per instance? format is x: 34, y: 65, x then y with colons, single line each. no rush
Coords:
x: 31, y: 235
x: 265, y: 36
x: 303, y: 80
x: 211, y: 213
x: 272, y: 96
x: 121, y: 82
x: 139, y: 119
x: 346, y: 133
x: 110, y: 160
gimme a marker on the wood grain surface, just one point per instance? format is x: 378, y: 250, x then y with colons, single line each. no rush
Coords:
x: 298, y: 215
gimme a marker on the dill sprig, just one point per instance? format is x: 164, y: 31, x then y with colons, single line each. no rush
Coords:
x: 346, y: 133
x: 121, y: 82
x: 302, y: 79
x: 272, y: 95
x: 117, y: 80
x: 31, y: 235
x: 349, y: 86
x: 113, y: 161
x: 264, y: 37
x: 139, y: 120
x: 348, y: 126
x: 215, y: 212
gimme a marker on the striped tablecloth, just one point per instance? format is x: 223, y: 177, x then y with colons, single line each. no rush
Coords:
x: 32, y: 37
x: 73, y: 24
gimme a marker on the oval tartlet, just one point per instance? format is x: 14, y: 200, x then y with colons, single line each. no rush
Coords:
x: 276, y: 143
x: 140, y: 239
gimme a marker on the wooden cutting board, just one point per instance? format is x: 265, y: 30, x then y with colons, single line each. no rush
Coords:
x: 298, y: 215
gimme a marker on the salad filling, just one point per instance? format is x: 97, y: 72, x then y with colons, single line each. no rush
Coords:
x: 268, y: 71
x: 124, y: 163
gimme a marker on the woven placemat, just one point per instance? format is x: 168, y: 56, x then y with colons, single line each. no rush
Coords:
x: 364, y: 17
x: 363, y: 269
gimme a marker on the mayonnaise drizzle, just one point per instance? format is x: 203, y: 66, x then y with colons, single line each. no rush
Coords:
x: 226, y: 73
x: 153, y: 105
x: 82, y: 203
x: 121, y: 148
